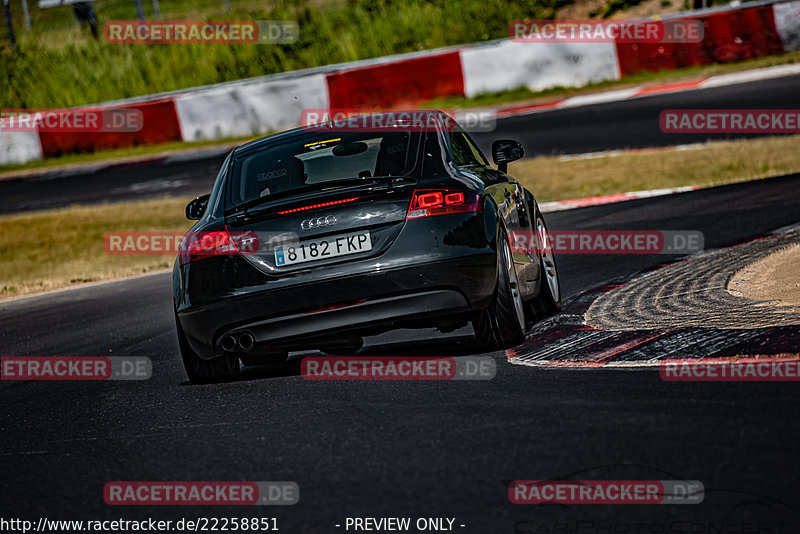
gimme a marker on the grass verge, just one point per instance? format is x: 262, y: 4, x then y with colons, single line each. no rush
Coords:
x: 60, y: 248
x: 52, y: 249
x: 708, y: 164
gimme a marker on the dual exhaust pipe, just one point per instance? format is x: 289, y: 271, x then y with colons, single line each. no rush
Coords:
x: 233, y: 342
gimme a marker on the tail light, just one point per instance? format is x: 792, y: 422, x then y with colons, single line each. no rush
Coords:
x: 430, y: 202
x: 219, y: 242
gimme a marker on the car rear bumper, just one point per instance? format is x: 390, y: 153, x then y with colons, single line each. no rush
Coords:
x: 354, y: 317
x: 354, y: 303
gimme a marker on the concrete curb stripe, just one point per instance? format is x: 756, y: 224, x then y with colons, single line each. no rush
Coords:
x: 754, y: 75
x: 561, y: 205
x: 734, y: 78
x: 668, y: 88
x: 521, y: 110
x: 598, y: 98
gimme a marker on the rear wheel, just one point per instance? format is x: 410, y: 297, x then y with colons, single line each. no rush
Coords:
x: 502, y: 324
x: 202, y: 371
x: 548, y: 301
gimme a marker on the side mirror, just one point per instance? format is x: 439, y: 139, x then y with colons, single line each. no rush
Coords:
x: 196, y: 208
x: 505, y: 151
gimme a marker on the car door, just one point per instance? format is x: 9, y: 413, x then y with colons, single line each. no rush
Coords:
x: 509, y: 195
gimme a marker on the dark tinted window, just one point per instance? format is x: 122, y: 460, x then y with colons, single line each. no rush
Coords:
x: 476, y: 152
x: 463, y: 153
x: 320, y: 158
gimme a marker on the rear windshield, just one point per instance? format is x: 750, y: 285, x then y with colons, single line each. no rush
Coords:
x: 320, y: 158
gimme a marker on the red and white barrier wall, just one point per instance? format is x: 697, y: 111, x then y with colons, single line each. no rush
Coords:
x: 273, y: 103
x: 734, y: 35
x: 787, y: 24
x: 159, y: 125
x: 507, y: 65
x: 19, y: 147
x: 399, y: 84
x: 158, y: 119
x: 248, y: 108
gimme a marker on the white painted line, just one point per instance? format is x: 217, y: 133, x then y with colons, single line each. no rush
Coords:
x: 591, y: 155
x: 662, y: 192
x: 598, y: 98
x: 691, y: 146
x: 787, y: 228
x: 778, y: 71
x: 617, y: 152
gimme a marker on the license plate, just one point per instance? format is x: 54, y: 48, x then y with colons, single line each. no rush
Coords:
x: 320, y: 249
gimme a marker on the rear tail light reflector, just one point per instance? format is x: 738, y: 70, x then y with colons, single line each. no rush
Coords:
x: 431, y: 202
x: 218, y: 242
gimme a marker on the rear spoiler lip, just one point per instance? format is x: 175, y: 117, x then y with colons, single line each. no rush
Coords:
x: 235, y: 216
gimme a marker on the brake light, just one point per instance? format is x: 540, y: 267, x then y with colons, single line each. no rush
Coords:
x: 430, y: 200
x: 219, y: 242
x: 321, y: 205
x: 427, y: 203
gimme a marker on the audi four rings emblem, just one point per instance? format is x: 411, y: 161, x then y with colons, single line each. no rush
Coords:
x: 319, y: 222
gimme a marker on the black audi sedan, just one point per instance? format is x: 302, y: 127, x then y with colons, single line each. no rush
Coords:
x: 316, y: 237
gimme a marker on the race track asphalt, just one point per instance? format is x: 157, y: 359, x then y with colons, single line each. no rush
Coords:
x: 414, y: 449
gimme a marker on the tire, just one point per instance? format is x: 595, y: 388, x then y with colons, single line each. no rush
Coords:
x: 548, y: 301
x: 502, y: 324
x: 200, y: 371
